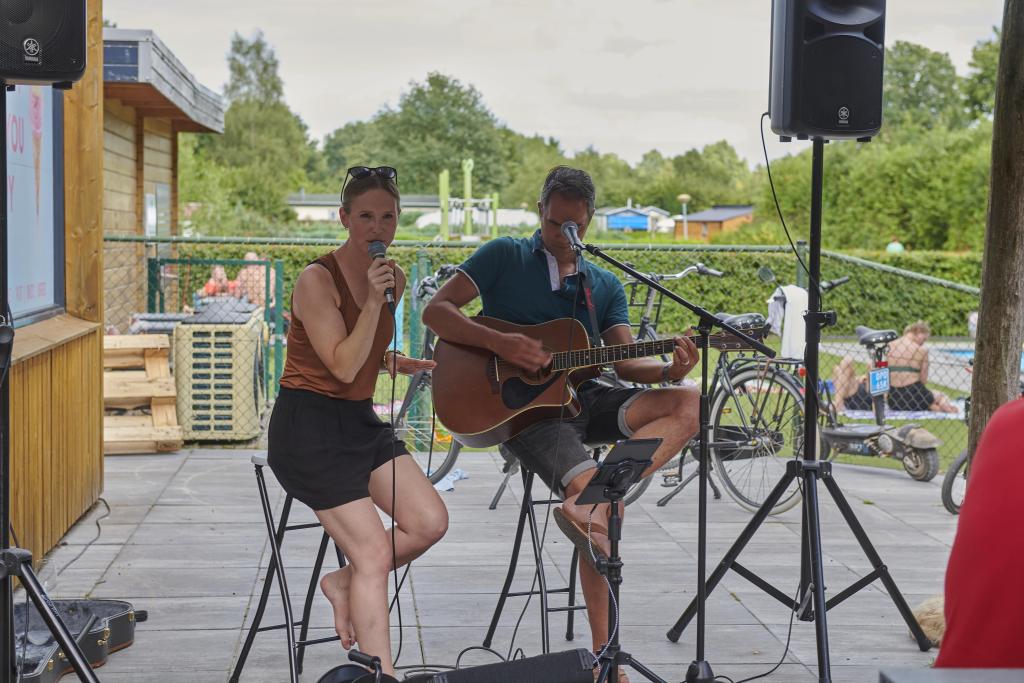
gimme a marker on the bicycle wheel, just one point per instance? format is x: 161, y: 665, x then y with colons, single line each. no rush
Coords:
x: 954, y: 484
x: 432, y: 446
x: 636, y: 490
x: 757, y: 424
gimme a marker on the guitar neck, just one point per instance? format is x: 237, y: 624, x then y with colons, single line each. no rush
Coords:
x: 606, y: 355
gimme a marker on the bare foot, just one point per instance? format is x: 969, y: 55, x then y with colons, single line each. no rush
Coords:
x: 335, y: 588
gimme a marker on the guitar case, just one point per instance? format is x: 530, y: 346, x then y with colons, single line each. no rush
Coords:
x: 99, y: 627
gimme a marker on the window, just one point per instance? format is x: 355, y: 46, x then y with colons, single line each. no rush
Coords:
x: 35, y: 202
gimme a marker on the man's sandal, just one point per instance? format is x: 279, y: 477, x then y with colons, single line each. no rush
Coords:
x: 577, y: 533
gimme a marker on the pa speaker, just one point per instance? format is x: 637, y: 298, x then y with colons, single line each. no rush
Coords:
x: 42, y: 41
x: 571, y: 666
x: 826, y: 68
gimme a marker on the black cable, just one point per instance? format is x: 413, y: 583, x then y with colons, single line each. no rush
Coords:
x: 778, y: 208
x: 99, y: 532
x: 393, y: 371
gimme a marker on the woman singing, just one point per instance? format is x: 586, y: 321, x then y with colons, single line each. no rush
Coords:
x: 327, y: 447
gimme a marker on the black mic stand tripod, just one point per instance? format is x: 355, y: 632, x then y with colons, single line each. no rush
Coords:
x: 17, y: 562
x: 808, y: 471
x: 699, y: 670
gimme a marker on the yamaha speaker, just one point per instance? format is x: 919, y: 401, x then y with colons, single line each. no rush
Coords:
x: 42, y: 41
x: 826, y: 71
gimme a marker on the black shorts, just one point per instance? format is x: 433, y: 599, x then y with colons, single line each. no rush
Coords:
x: 322, y: 450
x: 601, y: 420
x: 914, y: 396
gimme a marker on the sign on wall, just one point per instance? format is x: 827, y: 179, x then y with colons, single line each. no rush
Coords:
x: 34, y: 219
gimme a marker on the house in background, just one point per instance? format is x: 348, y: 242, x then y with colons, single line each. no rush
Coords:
x: 313, y: 207
x: 149, y: 98
x: 720, y: 218
x: 631, y: 218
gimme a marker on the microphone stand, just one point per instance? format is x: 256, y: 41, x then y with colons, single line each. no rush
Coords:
x: 699, y: 670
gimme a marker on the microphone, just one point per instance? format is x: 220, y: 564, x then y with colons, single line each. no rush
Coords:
x: 569, y: 230
x: 378, y: 249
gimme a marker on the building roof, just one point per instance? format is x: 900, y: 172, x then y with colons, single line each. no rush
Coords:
x: 409, y: 201
x: 142, y: 72
x: 722, y: 212
x: 635, y: 210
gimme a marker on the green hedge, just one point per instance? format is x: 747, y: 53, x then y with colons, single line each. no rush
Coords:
x: 873, y: 297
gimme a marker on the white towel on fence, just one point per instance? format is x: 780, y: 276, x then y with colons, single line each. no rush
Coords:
x: 786, y: 308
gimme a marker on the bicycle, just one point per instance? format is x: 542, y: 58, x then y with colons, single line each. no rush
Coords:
x: 414, y: 420
x: 647, y: 330
x: 954, y: 483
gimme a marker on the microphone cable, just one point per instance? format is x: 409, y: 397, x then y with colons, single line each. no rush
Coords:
x: 778, y: 209
x: 393, y: 372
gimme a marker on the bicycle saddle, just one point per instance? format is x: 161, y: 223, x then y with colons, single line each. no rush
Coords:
x: 742, y: 320
x: 870, y: 337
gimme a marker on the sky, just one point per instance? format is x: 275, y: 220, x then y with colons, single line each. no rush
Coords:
x: 624, y: 77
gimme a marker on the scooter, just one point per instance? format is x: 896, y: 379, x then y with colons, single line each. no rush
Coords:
x: 914, y: 445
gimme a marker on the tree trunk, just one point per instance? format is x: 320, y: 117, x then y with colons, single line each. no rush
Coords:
x: 1001, y: 317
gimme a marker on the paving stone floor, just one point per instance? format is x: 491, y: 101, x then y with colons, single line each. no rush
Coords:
x: 185, y: 540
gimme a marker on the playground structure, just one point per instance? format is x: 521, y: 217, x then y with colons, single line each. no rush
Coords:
x: 469, y: 211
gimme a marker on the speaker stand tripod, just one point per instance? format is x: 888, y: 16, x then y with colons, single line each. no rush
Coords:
x: 811, y: 604
x: 15, y: 562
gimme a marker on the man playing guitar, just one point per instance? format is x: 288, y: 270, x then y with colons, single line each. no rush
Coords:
x: 533, y: 280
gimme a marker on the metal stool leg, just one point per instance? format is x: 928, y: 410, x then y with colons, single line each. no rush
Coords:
x: 538, y: 558
x: 281, y: 581
x: 524, y: 510
x: 268, y: 581
x: 569, y: 635
x: 308, y: 606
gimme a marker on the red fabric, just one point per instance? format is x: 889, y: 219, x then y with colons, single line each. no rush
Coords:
x: 985, y: 576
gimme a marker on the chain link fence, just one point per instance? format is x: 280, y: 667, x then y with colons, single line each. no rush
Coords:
x: 224, y: 324
x: 225, y: 302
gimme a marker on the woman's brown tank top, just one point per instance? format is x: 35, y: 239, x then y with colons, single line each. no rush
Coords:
x: 303, y: 368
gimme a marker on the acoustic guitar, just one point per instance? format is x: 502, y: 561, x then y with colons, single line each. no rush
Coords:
x: 485, y: 400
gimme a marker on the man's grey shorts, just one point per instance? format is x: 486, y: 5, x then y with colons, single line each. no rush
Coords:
x: 555, y: 449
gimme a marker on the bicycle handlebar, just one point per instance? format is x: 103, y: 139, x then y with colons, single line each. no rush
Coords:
x: 698, y: 268
x: 429, y: 285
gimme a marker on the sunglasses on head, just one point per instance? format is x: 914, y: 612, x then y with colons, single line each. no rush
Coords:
x: 360, y: 172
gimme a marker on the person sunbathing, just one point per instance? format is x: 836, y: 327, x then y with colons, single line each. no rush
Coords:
x: 908, y: 375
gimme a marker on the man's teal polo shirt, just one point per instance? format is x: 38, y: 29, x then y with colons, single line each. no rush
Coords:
x: 519, y: 282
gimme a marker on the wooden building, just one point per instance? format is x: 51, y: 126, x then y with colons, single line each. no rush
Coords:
x: 56, y: 280
x: 720, y: 218
x: 149, y: 99
x: 81, y: 161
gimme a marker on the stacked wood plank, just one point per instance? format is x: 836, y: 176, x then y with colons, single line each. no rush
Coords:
x: 137, y: 378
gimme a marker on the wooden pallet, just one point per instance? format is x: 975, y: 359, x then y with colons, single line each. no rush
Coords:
x: 136, y: 374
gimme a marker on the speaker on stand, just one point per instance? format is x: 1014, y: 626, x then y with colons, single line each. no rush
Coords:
x: 827, y: 65
x: 826, y: 84
x: 41, y: 42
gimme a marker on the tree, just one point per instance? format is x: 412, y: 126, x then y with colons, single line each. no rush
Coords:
x: 265, y: 151
x: 252, y: 69
x: 436, y: 125
x: 528, y: 160
x: 359, y: 143
x: 921, y: 88
x: 979, y: 86
x: 1001, y: 316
